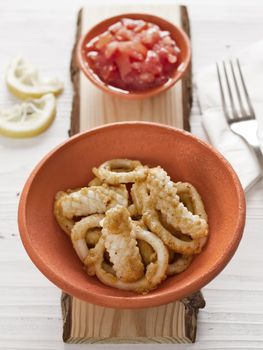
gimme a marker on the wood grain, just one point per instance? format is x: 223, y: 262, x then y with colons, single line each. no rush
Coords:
x: 172, y: 323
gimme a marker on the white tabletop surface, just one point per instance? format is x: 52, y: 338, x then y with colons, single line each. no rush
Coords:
x: 30, y: 316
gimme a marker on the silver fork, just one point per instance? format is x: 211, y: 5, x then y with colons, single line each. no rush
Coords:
x: 238, y: 111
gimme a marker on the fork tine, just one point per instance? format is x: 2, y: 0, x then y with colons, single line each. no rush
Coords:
x: 242, y: 109
x: 235, y: 114
x: 222, y: 93
x: 251, y: 110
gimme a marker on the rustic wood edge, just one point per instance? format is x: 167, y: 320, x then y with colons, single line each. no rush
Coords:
x: 192, y: 303
x: 75, y: 79
x: 66, y: 306
x: 187, y: 80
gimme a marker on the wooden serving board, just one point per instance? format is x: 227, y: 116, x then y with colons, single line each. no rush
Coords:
x: 82, y: 321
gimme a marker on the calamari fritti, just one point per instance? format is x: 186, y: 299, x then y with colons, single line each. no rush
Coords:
x: 117, y: 171
x: 91, y: 200
x: 79, y: 232
x: 164, y: 195
x: 65, y: 223
x: 131, y: 226
x: 155, y: 273
x: 121, y: 244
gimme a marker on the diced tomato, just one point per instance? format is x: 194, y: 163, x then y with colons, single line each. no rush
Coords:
x: 139, y: 47
x: 92, y: 55
x: 133, y: 55
x: 147, y: 77
x: 132, y: 23
x: 125, y: 46
x: 140, y: 26
x: 172, y: 58
x: 151, y: 36
x: 123, y: 34
x: 167, y: 40
x: 133, y: 49
x: 106, y: 71
x: 92, y: 43
x: 137, y: 66
x: 104, y: 39
x: 152, y: 63
x: 164, y: 33
x: 111, y: 48
x: 123, y: 63
x: 115, y: 27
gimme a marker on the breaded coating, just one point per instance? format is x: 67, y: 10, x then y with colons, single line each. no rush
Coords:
x: 152, y: 221
x: 117, y: 171
x: 91, y: 200
x: 79, y: 232
x: 140, y: 196
x: 190, y: 197
x: 147, y: 252
x: 65, y: 223
x: 163, y: 193
x: 179, y: 264
x: 155, y: 273
x: 120, y: 243
x: 132, y: 226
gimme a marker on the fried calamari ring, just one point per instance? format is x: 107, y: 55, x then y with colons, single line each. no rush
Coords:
x: 119, y: 189
x: 117, y: 171
x: 93, y: 236
x: 140, y: 223
x: 108, y: 268
x: 155, y: 272
x: 65, y: 223
x: 121, y: 244
x: 91, y: 200
x: 79, y: 232
x: 140, y: 196
x: 151, y: 219
x: 163, y: 194
x: 169, y: 224
x: 179, y: 265
x: 133, y: 210
x: 146, y: 251
x: 191, y: 199
x: 95, y: 182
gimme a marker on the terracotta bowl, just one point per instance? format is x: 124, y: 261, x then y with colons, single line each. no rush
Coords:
x: 185, y: 158
x: 177, y: 34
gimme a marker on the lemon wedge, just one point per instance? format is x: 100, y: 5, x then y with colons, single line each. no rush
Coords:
x: 29, y: 118
x: 24, y: 81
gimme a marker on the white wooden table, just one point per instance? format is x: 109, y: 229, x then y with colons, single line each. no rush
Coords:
x: 30, y: 315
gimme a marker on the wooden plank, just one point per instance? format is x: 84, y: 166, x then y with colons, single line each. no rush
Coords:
x: 172, y: 323
x: 84, y: 322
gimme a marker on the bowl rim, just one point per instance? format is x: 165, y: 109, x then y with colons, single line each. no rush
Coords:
x: 136, y: 301
x: 120, y: 92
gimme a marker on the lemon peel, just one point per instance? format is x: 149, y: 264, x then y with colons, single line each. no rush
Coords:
x: 28, y: 118
x: 24, y: 80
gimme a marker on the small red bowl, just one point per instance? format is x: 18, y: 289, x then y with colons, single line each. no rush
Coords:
x: 176, y: 33
x: 182, y: 155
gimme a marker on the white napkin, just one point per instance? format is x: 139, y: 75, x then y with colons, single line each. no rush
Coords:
x: 235, y: 150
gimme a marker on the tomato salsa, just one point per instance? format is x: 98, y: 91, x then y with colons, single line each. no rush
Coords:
x: 133, y: 55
